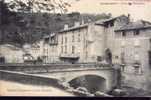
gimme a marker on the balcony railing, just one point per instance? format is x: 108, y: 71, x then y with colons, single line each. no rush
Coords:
x: 53, y: 43
x: 69, y: 55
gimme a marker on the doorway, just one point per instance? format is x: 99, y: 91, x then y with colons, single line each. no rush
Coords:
x: 108, y: 56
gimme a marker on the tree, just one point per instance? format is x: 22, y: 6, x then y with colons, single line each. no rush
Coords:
x: 30, y: 7
x: 24, y: 17
x: 6, y: 16
x: 38, y: 6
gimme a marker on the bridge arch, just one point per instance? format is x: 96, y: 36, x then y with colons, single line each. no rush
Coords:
x: 91, y: 82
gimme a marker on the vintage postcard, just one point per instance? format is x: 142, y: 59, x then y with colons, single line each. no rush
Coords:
x: 91, y: 48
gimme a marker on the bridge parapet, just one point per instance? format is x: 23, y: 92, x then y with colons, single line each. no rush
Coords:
x: 49, y: 67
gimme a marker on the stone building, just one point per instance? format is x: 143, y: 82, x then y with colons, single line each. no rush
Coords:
x: 109, y: 26
x: 132, y: 46
x: 11, y: 53
x: 132, y: 43
x: 35, y: 50
x: 116, y: 40
x: 91, y: 42
x: 50, y: 48
x: 82, y: 43
x: 79, y: 43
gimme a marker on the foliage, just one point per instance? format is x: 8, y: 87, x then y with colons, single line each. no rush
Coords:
x: 38, y: 5
x: 21, y: 24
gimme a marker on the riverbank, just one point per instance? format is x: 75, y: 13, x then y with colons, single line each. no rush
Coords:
x: 9, y: 88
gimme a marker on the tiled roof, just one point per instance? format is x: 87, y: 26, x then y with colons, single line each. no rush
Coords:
x: 12, y: 46
x: 141, y: 24
x: 102, y: 22
x: 74, y: 28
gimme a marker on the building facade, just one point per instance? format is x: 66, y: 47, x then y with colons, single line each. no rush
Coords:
x: 116, y: 40
x: 86, y: 43
x: 133, y: 46
x: 79, y: 43
x: 132, y: 43
x: 11, y: 53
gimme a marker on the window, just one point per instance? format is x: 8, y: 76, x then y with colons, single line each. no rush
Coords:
x: 73, y: 38
x: 73, y: 49
x: 62, y: 40
x: 137, y: 58
x: 65, y: 39
x: 65, y: 49
x: 124, y: 34
x: 137, y: 70
x: 61, y: 49
x: 137, y: 66
x: 79, y: 38
x: 123, y: 57
x: 99, y: 58
x: 79, y: 30
x: 123, y: 43
x: 136, y: 32
x: 53, y: 49
x: 137, y: 43
x: 116, y: 57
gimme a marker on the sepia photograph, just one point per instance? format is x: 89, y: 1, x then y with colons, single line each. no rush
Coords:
x: 75, y: 48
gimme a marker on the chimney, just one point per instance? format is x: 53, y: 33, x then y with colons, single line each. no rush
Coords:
x: 66, y: 26
x: 129, y: 18
x: 76, y: 24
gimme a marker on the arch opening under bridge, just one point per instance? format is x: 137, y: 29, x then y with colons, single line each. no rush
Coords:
x: 92, y: 83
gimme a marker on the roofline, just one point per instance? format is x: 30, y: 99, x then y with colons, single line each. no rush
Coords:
x: 147, y: 27
x: 11, y: 45
x: 108, y: 20
x: 74, y: 28
x: 146, y: 21
x: 99, y: 24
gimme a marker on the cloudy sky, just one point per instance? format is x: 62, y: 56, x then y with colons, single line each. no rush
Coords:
x: 116, y: 7
x: 141, y: 10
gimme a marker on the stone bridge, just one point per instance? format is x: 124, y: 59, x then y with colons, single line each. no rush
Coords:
x: 98, y: 78
x: 104, y: 78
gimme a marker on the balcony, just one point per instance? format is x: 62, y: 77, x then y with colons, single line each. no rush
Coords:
x: 70, y: 56
x: 53, y: 43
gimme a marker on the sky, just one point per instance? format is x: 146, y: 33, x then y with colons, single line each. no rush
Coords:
x: 141, y: 10
x: 137, y: 11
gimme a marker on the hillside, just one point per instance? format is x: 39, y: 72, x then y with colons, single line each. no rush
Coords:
x: 28, y: 27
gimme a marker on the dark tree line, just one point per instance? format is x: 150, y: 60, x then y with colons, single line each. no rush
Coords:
x: 23, y: 25
x: 7, y: 18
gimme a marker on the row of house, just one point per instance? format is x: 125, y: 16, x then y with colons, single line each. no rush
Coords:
x: 115, y: 40
x: 82, y: 42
